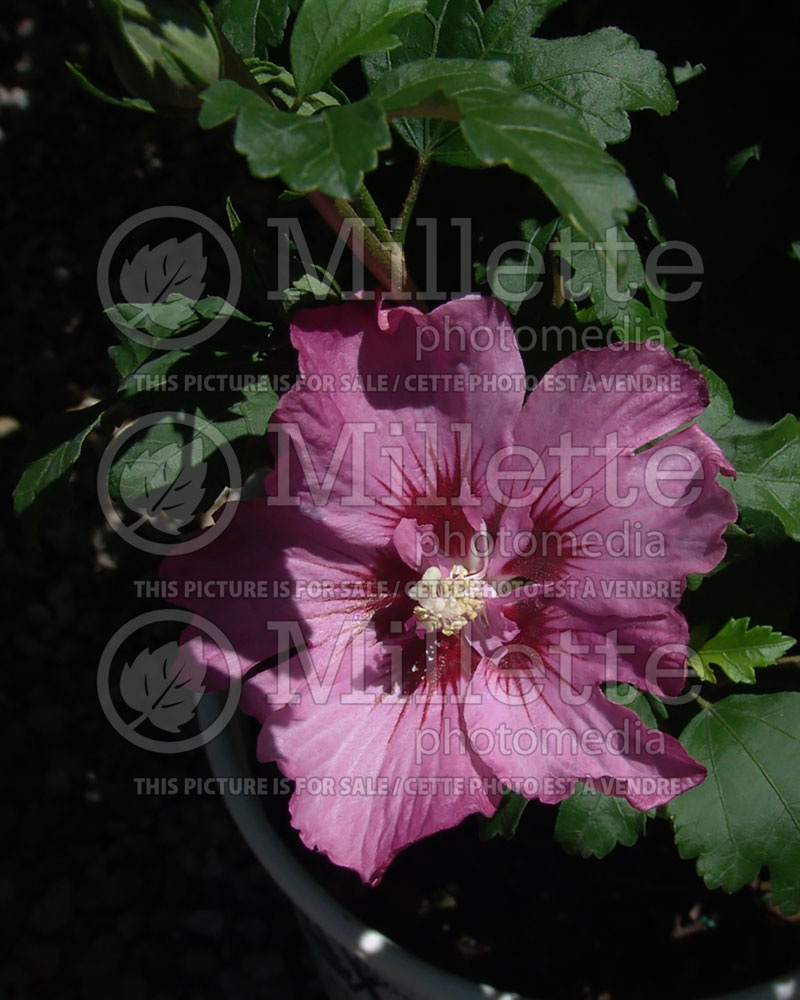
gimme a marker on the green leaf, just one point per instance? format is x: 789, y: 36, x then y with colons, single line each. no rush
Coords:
x: 279, y: 84
x: 329, y: 33
x: 508, y: 23
x: 585, y: 184
x: 609, y: 279
x: 637, y: 322
x: 670, y: 184
x: 632, y: 320
x: 503, y: 126
x: 177, y: 316
x: 746, y: 814
x: 163, y: 51
x: 719, y: 419
x: 738, y: 649
x: 453, y: 29
x: 329, y: 151
x: 458, y: 29
x: 719, y: 412
x: 157, y: 455
x: 252, y: 26
x: 767, y: 464
x: 128, y: 355
x: 227, y: 386
x: 740, y: 544
x: 310, y: 289
x: 597, y: 78
x: 134, y: 103
x: 633, y: 698
x: 174, y: 317
x: 144, y: 369
x: 682, y: 74
x: 506, y: 819
x: 61, y: 440
x: 513, y: 279
x: 652, y: 224
x: 766, y: 459
x: 412, y: 83
x: 449, y: 29
x: 590, y: 823
x: 151, y: 374
x: 169, y: 495
x: 739, y: 161
x: 250, y: 416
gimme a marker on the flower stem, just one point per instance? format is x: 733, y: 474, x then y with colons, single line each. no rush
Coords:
x: 385, y: 260
x: 365, y: 205
x: 375, y: 245
x: 411, y: 199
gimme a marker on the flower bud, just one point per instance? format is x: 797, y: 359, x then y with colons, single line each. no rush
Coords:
x: 164, y: 51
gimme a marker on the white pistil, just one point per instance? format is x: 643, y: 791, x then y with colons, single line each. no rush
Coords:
x: 448, y: 603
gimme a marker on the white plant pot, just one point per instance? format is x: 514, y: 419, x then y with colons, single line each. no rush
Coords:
x: 354, y: 960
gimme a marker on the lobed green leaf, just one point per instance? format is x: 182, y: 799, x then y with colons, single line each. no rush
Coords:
x: 737, y: 649
x: 585, y: 184
x: 746, y: 814
x: 329, y: 151
x: 598, y: 78
x: 590, y: 823
x: 329, y: 33
x: 252, y: 26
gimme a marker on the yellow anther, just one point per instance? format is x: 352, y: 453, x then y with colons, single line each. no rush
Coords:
x: 448, y: 603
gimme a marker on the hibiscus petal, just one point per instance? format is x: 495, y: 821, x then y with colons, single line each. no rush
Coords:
x: 536, y: 739
x: 372, y: 778
x: 400, y: 407
x: 636, y: 389
x: 271, y: 580
x: 616, y: 530
x: 634, y: 560
x: 650, y: 653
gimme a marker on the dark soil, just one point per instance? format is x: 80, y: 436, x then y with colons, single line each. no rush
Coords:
x: 523, y: 915
x: 105, y: 892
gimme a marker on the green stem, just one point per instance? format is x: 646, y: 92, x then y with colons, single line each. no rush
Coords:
x: 375, y: 245
x: 411, y: 199
x: 366, y: 206
x: 384, y: 260
x: 703, y: 703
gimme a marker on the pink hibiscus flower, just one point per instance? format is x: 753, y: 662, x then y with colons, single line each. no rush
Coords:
x: 444, y: 574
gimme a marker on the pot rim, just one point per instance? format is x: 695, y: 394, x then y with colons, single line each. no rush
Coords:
x: 227, y: 757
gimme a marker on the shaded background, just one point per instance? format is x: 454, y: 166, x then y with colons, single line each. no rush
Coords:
x: 156, y: 897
